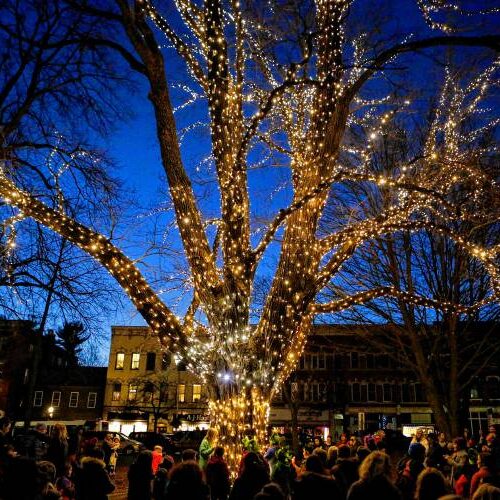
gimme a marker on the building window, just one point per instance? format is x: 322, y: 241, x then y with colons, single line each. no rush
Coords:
x: 356, y: 392
x: 364, y: 393
x: 132, y: 392
x: 120, y: 360
x: 196, y: 392
x: 372, y: 394
x: 56, y: 399
x: 73, y: 399
x: 314, y: 392
x: 314, y: 362
x: 388, y: 392
x: 38, y: 399
x: 321, y: 361
x: 370, y: 362
x: 354, y: 360
x: 92, y: 400
x: 136, y: 357
x: 150, y: 361
x: 302, y: 362
x: 117, y: 392
x: 181, y: 393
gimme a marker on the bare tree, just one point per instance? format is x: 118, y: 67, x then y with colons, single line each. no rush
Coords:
x: 296, y: 103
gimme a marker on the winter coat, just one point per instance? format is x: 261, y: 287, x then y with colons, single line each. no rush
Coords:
x: 345, y: 472
x: 313, y: 485
x: 34, y: 445
x: 478, y: 478
x: 206, y: 449
x: 457, y: 462
x: 217, y: 475
x: 378, y: 487
x: 93, y: 482
x: 57, y: 453
x: 139, y: 483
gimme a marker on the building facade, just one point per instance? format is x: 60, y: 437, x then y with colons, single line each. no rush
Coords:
x: 146, y: 388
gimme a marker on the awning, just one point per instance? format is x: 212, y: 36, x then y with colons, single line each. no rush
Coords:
x: 52, y: 422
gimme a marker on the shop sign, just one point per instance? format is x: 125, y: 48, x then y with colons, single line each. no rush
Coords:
x: 193, y: 417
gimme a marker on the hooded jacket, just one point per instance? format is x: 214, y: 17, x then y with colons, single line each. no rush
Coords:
x: 93, y: 482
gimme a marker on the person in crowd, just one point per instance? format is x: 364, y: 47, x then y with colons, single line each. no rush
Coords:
x: 93, y: 482
x: 157, y: 458
x: 271, y: 453
x: 345, y: 470
x: 316, y: 482
x: 207, y: 447
x: 64, y: 484
x: 113, y: 458
x: 374, y: 479
x: 318, y: 442
x: 361, y: 454
x: 332, y: 455
x: 186, y: 481
x: 18, y: 476
x: 487, y: 492
x: 328, y: 442
x: 75, y: 443
x: 217, y: 475
x: 380, y: 440
x: 485, y: 473
x: 419, y: 437
x: 407, y: 479
x: 34, y: 443
x: 5, y: 437
x: 271, y: 491
x: 254, y: 475
x: 57, y: 452
x: 353, y: 444
x: 160, y: 484
x: 342, y: 440
x: 107, y: 448
x: 46, y: 481
x: 188, y: 455
x: 434, y: 456
x: 443, y: 442
x: 323, y: 456
x: 431, y: 485
x: 140, y: 477
x: 458, y: 459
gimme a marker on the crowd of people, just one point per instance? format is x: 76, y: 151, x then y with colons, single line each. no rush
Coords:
x: 57, y: 466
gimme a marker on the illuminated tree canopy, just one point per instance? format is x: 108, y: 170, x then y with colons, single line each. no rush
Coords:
x: 299, y: 102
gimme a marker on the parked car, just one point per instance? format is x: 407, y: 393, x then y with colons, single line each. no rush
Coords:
x: 127, y: 445
x: 152, y: 439
x: 188, y: 439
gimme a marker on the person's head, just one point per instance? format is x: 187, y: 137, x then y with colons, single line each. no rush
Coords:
x: 108, y: 438
x: 333, y: 453
x: 168, y: 462
x: 431, y: 437
x: 5, y: 424
x: 59, y: 432
x: 486, y: 459
x: 9, y: 451
x: 46, y: 471
x: 442, y: 437
x: 211, y: 435
x: 308, y: 450
x: 315, y: 464
x: 361, y: 453
x: 416, y: 452
x: 41, y: 428
x: 343, y: 438
x: 188, y: 455
x: 254, y: 466
x: 219, y: 451
x: 144, y: 460
x: 68, y: 470
x: 116, y: 440
x: 375, y: 464
x: 431, y: 484
x: 487, y: 492
x: 419, y: 434
x: 328, y: 440
x: 271, y: 491
x: 317, y: 442
x: 459, y: 444
x: 186, y: 475
x: 158, y: 449
x: 353, y: 441
x: 344, y: 451
x: 323, y: 456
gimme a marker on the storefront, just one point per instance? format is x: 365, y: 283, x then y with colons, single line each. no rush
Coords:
x: 190, y: 421
x: 127, y: 422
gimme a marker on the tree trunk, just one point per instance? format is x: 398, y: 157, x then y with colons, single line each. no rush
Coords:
x: 294, y: 412
x: 231, y: 416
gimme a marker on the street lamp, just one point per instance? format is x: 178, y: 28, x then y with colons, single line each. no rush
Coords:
x: 51, y: 411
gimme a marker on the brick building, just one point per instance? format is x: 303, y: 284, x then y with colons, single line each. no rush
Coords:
x: 143, y: 384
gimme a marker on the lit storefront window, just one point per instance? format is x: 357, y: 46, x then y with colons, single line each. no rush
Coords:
x: 196, y: 392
